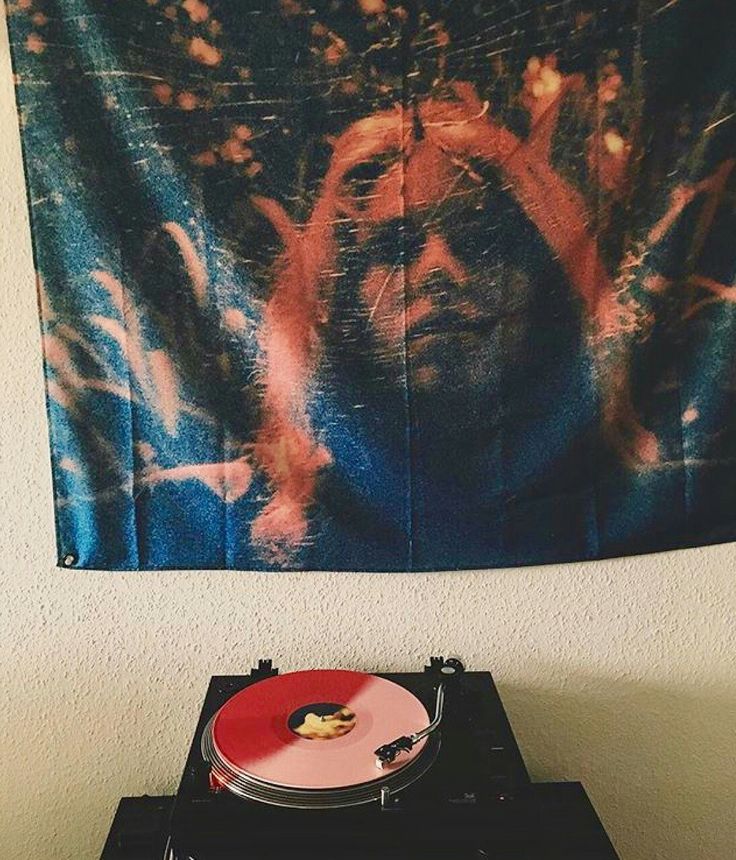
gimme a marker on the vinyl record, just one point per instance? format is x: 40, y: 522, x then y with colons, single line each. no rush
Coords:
x: 316, y: 730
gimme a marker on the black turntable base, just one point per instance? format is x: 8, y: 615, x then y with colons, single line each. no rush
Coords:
x: 338, y: 764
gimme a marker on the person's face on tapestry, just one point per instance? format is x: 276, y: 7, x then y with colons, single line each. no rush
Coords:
x: 373, y: 283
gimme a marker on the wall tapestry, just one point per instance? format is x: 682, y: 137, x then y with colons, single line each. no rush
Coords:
x: 383, y: 284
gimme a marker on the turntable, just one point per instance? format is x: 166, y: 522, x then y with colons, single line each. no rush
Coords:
x: 332, y: 763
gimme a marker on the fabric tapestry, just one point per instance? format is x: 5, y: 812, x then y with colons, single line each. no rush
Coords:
x: 383, y: 284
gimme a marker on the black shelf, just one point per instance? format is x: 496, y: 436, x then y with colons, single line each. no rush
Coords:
x: 567, y: 828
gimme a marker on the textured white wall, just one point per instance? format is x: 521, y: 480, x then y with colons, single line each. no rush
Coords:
x: 619, y: 673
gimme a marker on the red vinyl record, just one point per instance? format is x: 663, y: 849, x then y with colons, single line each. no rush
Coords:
x: 316, y: 729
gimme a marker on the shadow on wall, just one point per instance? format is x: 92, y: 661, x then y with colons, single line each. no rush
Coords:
x: 657, y: 762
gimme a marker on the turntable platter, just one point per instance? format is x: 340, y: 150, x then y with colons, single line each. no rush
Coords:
x: 309, y: 738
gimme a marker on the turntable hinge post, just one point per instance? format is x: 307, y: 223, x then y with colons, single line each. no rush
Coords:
x: 264, y: 669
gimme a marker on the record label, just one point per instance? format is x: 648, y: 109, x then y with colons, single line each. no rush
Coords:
x: 322, y: 721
